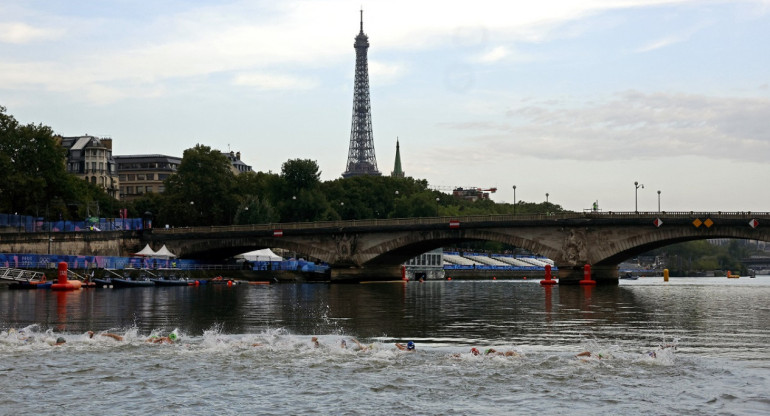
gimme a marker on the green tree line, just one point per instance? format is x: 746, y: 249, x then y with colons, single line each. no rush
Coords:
x: 205, y: 191
x: 33, y: 178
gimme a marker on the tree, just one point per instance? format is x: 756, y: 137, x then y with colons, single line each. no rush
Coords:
x: 256, y: 211
x: 32, y: 169
x: 202, y: 190
x: 300, y: 174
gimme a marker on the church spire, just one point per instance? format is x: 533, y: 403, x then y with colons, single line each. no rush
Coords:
x: 397, y: 172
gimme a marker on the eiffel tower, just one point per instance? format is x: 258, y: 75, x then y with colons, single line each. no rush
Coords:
x: 361, y: 159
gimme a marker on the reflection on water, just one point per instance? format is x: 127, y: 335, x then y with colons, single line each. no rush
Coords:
x: 239, y: 340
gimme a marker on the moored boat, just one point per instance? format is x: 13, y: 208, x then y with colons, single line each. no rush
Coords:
x: 103, y: 282
x: 129, y: 282
x: 173, y: 282
x: 29, y: 285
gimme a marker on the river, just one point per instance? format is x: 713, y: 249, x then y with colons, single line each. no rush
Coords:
x: 689, y: 346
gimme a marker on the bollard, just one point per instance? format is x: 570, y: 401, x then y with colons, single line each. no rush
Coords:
x: 548, y: 280
x: 61, y: 280
x: 665, y: 275
x: 587, y: 276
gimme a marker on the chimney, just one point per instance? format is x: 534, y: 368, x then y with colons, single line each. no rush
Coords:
x: 107, y: 143
x: 238, y: 156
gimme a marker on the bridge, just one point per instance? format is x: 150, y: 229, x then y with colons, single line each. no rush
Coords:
x: 375, y: 249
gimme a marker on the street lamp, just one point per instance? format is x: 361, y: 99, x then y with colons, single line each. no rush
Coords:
x: 636, y: 196
x: 658, y: 200
x: 437, y: 199
x: 514, y: 199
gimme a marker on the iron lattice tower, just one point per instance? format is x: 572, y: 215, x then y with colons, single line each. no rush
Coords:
x: 361, y: 158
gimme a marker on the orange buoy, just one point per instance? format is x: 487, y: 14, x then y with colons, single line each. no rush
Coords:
x: 448, y: 278
x: 61, y: 280
x: 548, y: 280
x: 229, y: 283
x: 587, y: 276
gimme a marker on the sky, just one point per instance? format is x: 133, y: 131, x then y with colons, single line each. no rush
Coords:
x: 575, y: 99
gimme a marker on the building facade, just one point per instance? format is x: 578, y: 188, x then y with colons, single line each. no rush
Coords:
x: 427, y: 266
x: 236, y: 164
x: 141, y: 174
x: 90, y: 158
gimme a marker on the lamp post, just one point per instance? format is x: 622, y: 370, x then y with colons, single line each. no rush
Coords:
x: 437, y: 199
x: 636, y: 196
x: 658, y: 200
x: 514, y: 199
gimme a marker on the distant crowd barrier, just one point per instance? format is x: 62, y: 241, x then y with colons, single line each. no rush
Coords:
x: 31, y: 224
x: 42, y: 261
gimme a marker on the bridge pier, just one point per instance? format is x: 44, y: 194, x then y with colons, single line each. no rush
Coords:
x: 360, y: 274
x: 603, y: 275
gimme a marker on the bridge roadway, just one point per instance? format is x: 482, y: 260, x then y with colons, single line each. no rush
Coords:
x: 375, y: 249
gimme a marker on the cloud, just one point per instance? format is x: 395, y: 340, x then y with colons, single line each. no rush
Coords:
x: 265, y: 81
x: 385, y: 72
x: 21, y: 33
x: 166, y: 45
x: 496, y: 54
x: 628, y: 126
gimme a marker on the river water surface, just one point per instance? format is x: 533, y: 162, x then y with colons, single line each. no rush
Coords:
x: 689, y: 346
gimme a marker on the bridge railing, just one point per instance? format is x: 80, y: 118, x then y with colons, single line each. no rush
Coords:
x: 391, y: 222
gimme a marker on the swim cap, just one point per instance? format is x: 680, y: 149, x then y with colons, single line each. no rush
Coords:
x: 172, y: 336
x: 410, y: 345
x: 474, y: 351
x: 60, y: 340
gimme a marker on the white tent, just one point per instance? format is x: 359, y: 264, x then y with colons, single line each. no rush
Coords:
x: 259, y: 255
x: 164, y: 253
x: 145, y: 252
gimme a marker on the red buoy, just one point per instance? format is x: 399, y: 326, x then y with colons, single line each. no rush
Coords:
x: 587, y: 276
x: 61, y: 280
x: 548, y: 280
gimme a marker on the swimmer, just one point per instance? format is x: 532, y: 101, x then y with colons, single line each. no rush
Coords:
x: 116, y: 337
x: 343, y: 344
x: 409, y: 347
x: 589, y: 354
x: 654, y: 354
x: 474, y: 351
x: 492, y: 351
x: 315, y: 342
x: 170, y: 339
x: 56, y: 342
x: 360, y: 346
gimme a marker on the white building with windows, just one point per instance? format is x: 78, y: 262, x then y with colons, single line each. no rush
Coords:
x: 90, y: 158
